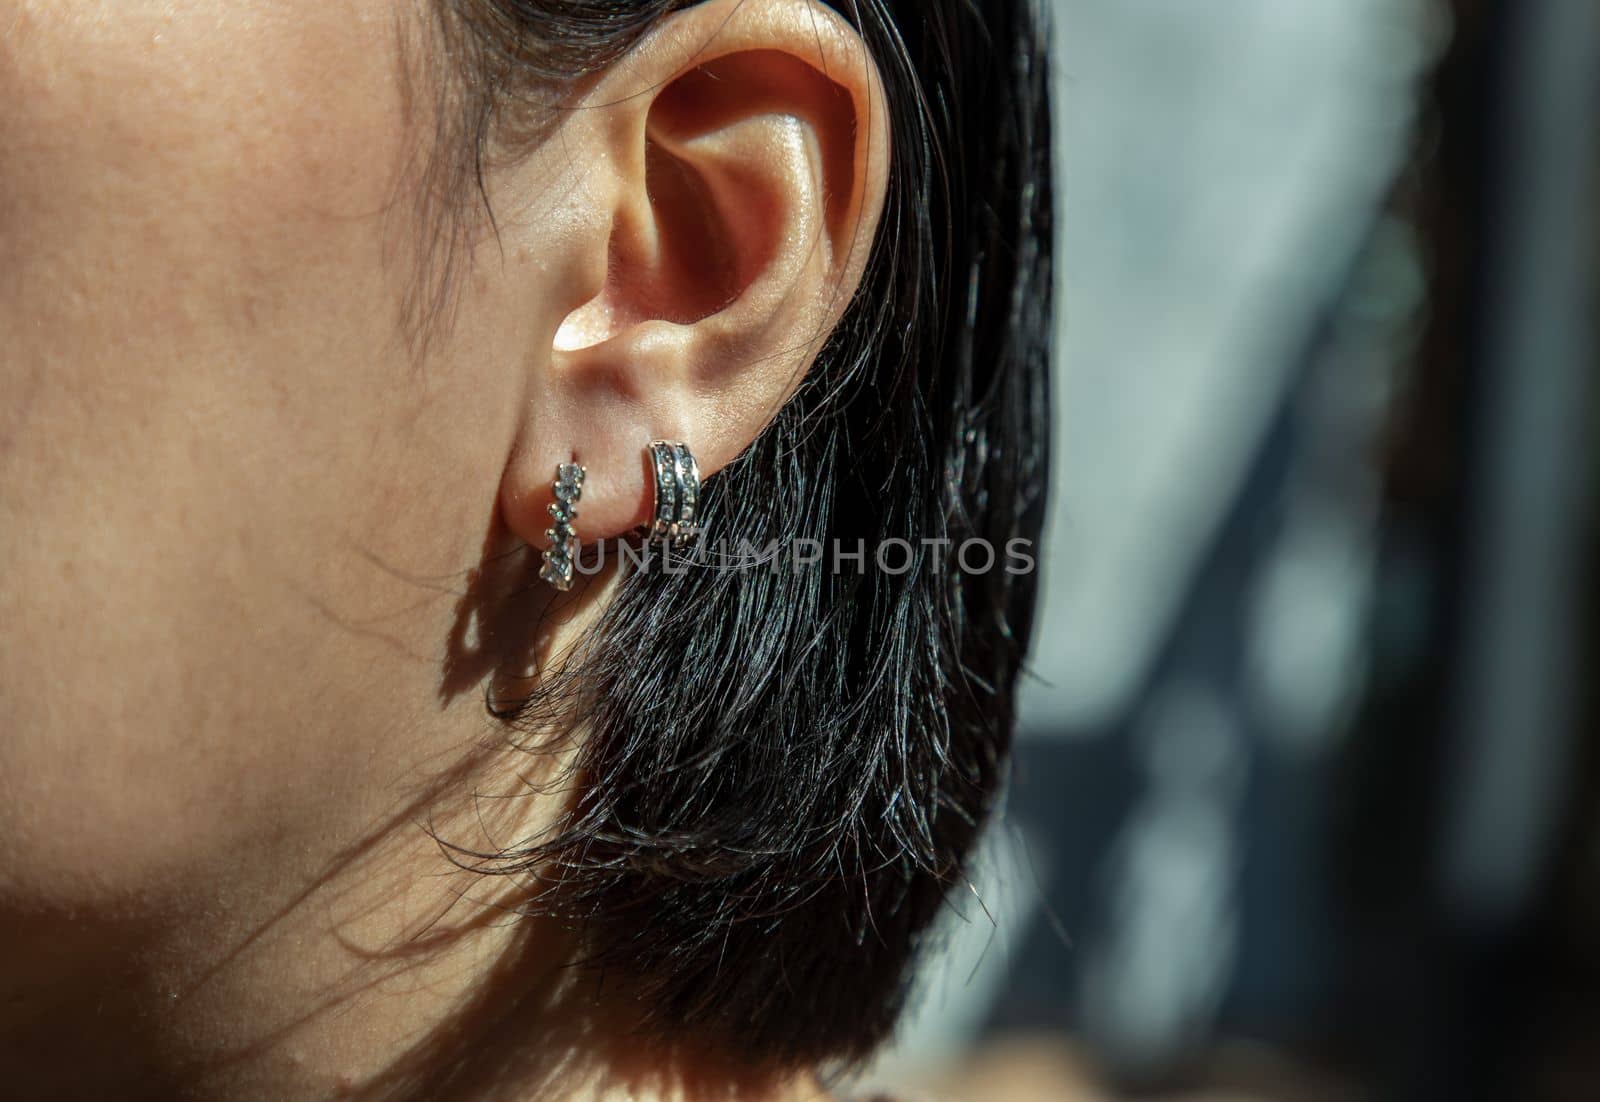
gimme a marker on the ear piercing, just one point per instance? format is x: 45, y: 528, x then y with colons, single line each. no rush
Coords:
x: 677, y: 493
x: 676, y: 481
x: 557, y: 569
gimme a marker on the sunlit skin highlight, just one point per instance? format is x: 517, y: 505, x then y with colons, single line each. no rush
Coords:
x: 256, y: 570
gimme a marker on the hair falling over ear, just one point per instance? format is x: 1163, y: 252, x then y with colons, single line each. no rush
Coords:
x: 784, y: 772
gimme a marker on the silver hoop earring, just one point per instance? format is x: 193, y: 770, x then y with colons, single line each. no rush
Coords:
x: 557, y: 569
x: 677, y: 493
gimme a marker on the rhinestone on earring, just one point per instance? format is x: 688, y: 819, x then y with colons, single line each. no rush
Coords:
x: 557, y: 569
x: 677, y: 493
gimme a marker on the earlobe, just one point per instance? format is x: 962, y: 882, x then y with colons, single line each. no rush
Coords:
x: 741, y: 155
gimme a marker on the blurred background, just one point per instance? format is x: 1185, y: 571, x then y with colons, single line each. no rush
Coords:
x: 1307, y: 798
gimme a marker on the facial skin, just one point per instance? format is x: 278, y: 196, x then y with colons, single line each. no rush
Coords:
x: 258, y: 538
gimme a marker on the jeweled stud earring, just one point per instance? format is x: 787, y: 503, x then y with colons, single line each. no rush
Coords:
x: 557, y: 569
x: 677, y: 492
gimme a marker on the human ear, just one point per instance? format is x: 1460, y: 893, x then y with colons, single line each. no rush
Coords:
x: 730, y: 172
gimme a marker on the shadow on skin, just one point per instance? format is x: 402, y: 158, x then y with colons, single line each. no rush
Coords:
x: 538, y: 1025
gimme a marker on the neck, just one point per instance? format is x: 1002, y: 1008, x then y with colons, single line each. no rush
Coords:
x: 346, y: 955
x: 388, y: 973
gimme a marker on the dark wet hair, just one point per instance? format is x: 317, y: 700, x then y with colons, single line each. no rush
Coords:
x: 784, y: 771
